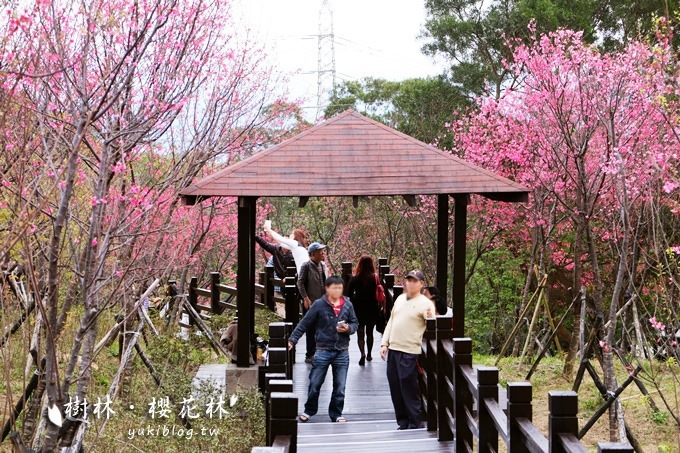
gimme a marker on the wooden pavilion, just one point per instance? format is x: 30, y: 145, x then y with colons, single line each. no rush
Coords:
x: 352, y: 155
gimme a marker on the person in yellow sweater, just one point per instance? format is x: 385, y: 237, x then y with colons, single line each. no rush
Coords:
x: 401, y: 345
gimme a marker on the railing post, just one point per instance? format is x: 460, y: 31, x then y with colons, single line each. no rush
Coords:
x: 292, y: 302
x: 279, y: 332
x: 519, y: 406
x: 444, y: 371
x: 268, y: 293
x: 383, y: 270
x: 291, y: 352
x: 389, y: 281
x: 382, y: 262
x: 428, y: 387
x: 614, y: 447
x: 346, y: 272
x: 274, y: 385
x: 283, y: 421
x: 193, y: 296
x: 215, y: 292
x: 397, y: 291
x: 487, y: 378
x: 462, y: 402
x: 266, y: 391
x: 563, y: 419
x: 277, y: 361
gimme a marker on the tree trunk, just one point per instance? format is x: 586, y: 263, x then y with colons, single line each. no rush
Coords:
x: 568, y: 370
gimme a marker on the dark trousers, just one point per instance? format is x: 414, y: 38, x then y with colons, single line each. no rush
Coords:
x: 402, y: 376
x: 310, y: 336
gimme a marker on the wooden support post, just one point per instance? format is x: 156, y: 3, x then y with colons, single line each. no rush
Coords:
x: 268, y: 294
x: 462, y: 402
x: 442, y: 245
x: 459, y: 251
x: 283, y: 413
x: 445, y: 377
x: 398, y: 290
x: 487, y: 378
x: 215, y: 292
x: 563, y: 419
x: 245, y: 280
x: 519, y: 406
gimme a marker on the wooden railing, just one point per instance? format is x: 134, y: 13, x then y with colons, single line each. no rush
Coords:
x: 276, y: 387
x: 468, y: 401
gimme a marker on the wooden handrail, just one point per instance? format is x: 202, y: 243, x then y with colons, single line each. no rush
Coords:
x: 533, y: 438
x: 477, y: 412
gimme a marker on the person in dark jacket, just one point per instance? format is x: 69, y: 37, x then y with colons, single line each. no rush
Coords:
x: 310, y: 286
x: 283, y: 258
x: 361, y: 291
x: 333, y: 318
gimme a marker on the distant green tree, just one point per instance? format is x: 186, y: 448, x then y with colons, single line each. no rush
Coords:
x: 419, y: 107
x: 619, y: 21
x: 473, y: 35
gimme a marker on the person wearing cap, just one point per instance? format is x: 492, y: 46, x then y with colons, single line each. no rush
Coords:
x: 310, y: 284
x: 401, y: 345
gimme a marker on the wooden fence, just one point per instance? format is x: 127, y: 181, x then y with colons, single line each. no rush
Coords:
x: 276, y: 386
x: 466, y: 403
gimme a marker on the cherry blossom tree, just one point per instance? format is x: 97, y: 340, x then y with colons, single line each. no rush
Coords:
x: 588, y: 132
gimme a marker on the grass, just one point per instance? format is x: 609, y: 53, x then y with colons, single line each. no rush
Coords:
x: 655, y: 431
x: 239, y: 429
x: 242, y: 425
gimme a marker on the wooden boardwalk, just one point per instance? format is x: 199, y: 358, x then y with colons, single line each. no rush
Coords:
x: 371, y: 424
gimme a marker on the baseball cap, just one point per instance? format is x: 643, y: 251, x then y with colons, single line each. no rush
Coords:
x: 416, y: 274
x: 314, y: 246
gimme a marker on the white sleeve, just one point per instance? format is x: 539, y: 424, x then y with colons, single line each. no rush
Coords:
x: 285, y: 242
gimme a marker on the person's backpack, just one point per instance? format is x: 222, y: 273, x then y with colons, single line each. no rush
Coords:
x: 380, y: 292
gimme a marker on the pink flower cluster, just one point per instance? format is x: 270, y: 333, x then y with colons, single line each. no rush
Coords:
x: 657, y: 325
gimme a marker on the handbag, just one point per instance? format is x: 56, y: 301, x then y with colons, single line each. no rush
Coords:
x: 381, y: 297
x: 380, y: 292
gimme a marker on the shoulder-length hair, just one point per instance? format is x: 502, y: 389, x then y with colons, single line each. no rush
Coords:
x: 365, y: 268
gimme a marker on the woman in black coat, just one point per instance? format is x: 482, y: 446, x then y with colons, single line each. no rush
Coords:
x: 361, y: 291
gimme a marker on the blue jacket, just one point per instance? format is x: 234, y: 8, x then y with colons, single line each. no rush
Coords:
x: 322, y: 317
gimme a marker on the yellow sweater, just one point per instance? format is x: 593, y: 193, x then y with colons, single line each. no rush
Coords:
x: 404, y: 330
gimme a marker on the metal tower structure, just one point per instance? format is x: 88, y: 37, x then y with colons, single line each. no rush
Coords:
x: 326, y: 58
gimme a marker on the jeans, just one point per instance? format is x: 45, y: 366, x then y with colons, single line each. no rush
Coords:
x: 402, y: 376
x: 339, y: 360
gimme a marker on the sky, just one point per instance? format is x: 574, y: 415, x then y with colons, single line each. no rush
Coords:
x: 377, y: 38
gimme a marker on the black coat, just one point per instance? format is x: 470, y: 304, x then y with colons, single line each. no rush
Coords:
x: 283, y: 258
x: 362, y: 294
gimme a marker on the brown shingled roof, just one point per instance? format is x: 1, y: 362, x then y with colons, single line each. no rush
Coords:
x: 352, y: 155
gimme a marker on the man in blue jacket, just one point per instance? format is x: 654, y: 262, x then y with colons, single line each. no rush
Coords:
x: 334, y: 319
